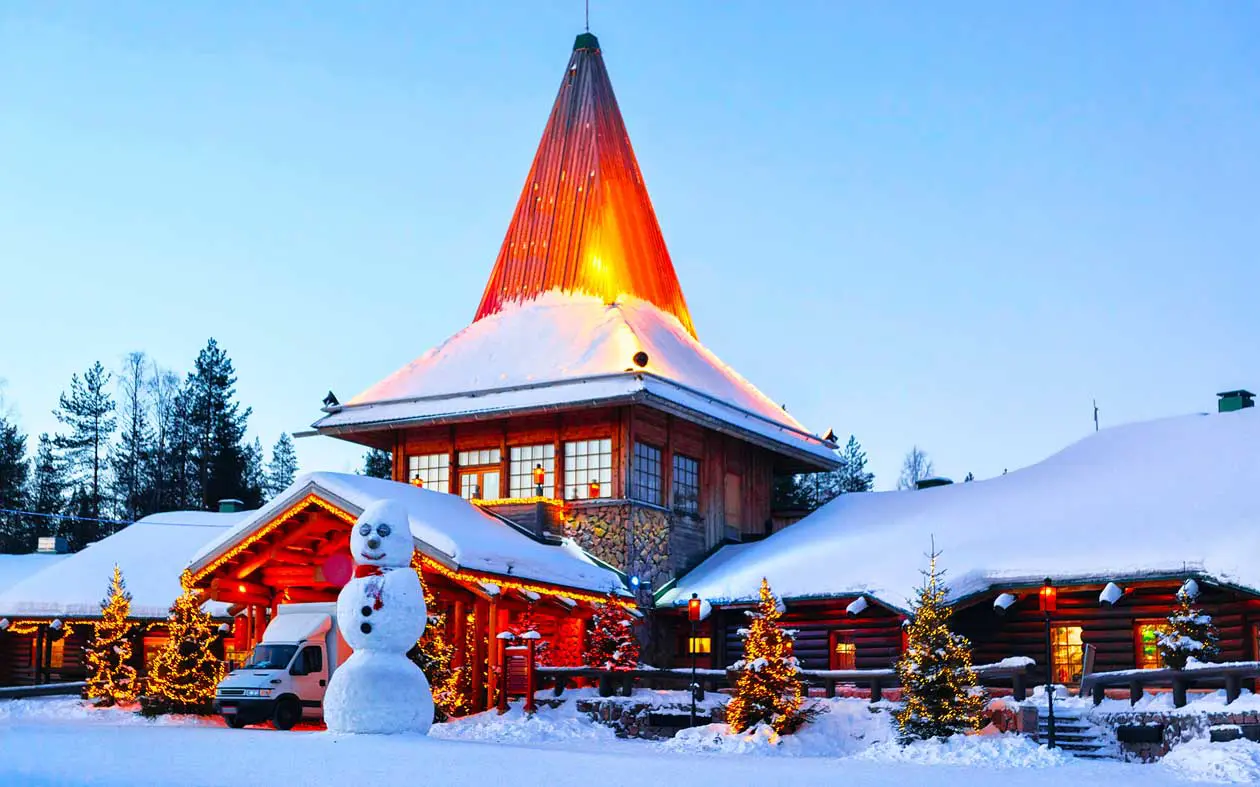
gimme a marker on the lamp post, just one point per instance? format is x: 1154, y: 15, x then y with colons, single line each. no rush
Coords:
x: 1049, y: 601
x: 693, y: 615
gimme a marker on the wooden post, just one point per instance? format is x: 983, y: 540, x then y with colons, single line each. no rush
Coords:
x: 1179, y: 692
x: 502, y: 675
x: 1099, y: 693
x: 460, y: 657
x: 1135, y: 692
x: 877, y: 690
x: 1233, y: 688
x: 479, y: 688
x: 830, y: 684
x: 494, y: 660
x: 1018, y: 689
x: 530, y: 707
x: 39, y: 654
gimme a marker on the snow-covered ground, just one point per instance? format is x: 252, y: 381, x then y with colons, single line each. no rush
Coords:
x: 57, y: 741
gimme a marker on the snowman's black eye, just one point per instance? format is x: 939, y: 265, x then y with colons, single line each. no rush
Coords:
x: 365, y: 529
x: 383, y: 530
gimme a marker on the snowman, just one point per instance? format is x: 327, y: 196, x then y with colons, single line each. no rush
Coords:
x: 381, y: 614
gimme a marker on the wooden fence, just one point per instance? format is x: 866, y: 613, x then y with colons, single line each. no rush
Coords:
x: 1231, y: 675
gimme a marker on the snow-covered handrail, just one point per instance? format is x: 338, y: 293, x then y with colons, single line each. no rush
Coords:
x: 1232, y: 673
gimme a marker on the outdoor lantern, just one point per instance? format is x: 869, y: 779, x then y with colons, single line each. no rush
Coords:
x: 693, y: 609
x: 1049, y: 597
x: 594, y: 488
x: 417, y: 481
x: 540, y: 475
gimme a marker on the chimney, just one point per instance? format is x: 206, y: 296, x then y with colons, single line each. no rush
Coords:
x: 1229, y: 401
x: 51, y: 545
x: 230, y: 506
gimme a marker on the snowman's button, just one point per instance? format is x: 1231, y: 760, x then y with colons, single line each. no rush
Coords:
x: 366, y: 628
x: 365, y: 611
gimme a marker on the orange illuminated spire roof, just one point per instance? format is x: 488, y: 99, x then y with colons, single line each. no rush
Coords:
x: 584, y: 222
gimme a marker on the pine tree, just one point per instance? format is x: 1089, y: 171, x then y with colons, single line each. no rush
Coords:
x: 88, y: 410
x: 612, y: 644
x: 939, y: 689
x: 768, y: 689
x: 378, y: 464
x: 186, y: 671
x: 14, y: 531
x: 174, y: 474
x: 283, y: 467
x: 789, y: 494
x: 434, y: 654
x: 217, y: 431
x: 132, y: 457
x: 1190, y: 632
x: 47, y: 492
x: 111, y: 678
x: 853, y: 475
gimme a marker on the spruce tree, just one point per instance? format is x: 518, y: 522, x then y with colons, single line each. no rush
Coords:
x: 378, y: 464
x: 88, y: 410
x: 186, y: 671
x: 612, y: 644
x: 1190, y: 632
x: 111, y: 678
x: 853, y: 474
x: 217, y: 426
x: 283, y: 466
x: 254, y: 480
x: 14, y: 531
x: 769, y: 688
x: 132, y: 457
x: 46, y: 495
x: 939, y: 690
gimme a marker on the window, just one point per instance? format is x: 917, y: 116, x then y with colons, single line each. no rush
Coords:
x: 588, y: 469
x: 430, y: 471
x: 310, y: 662
x: 523, y: 460
x: 1148, y: 645
x: 479, y: 474
x: 57, y: 653
x: 686, y: 484
x: 1069, y: 653
x: 645, y: 480
x: 843, y: 651
x: 699, y: 645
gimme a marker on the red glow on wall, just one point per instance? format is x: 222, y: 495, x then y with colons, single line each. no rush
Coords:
x: 584, y: 222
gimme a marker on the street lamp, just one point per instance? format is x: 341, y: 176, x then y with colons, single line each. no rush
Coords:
x: 540, y: 475
x: 1048, y: 600
x: 693, y: 615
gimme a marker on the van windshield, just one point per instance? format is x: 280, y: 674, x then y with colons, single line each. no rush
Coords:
x: 271, y: 656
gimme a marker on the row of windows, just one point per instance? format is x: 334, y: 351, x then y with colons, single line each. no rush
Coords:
x: 587, y: 473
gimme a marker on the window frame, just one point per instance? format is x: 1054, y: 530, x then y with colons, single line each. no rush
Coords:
x: 642, y: 481
x: 577, y: 480
x: 1138, y: 650
x: 835, y: 660
x: 516, y: 460
x: 417, y: 467
x: 1057, y: 648
x: 689, y: 478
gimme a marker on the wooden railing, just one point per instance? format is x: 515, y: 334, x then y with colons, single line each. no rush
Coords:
x: 1136, y: 680
x: 620, y: 682
x: 41, y: 690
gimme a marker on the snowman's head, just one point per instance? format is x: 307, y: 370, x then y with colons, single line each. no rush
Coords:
x: 382, y: 536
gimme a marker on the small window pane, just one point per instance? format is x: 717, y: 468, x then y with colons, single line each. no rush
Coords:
x: 645, y: 478
x: 686, y: 484
x: 432, y: 471
x: 588, y: 469
x: 522, y: 461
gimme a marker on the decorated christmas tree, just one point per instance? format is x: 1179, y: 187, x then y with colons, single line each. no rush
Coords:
x: 434, y: 653
x: 1190, y: 633
x: 939, y: 690
x: 526, y: 622
x: 612, y: 643
x: 111, y: 678
x: 185, y: 671
x: 768, y: 689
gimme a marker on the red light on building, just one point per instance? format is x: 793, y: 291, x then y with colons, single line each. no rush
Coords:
x: 540, y: 475
x: 693, y: 609
x: 1049, y: 597
x: 593, y: 489
x: 417, y: 481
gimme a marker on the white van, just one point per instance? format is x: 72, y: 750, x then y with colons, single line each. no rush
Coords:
x: 286, y: 675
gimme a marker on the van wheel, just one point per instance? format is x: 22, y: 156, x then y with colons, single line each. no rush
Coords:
x: 288, y: 712
x: 235, y: 721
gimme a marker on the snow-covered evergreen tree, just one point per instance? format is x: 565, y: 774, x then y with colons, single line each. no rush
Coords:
x: 1190, y: 632
x: 612, y: 643
x: 217, y: 425
x: 769, y: 688
x: 14, y: 531
x: 378, y: 464
x: 853, y: 476
x: 254, y: 477
x: 283, y: 466
x: 111, y: 678
x: 940, y: 694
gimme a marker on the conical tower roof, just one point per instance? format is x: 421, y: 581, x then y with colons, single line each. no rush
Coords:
x: 584, y: 222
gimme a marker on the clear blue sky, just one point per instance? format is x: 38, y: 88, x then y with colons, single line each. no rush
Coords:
x: 951, y: 225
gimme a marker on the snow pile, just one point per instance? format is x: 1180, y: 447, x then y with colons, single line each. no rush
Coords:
x: 1199, y: 760
x: 843, y: 728
x: 1162, y: 702
x: 561, y: 725
x: 59, y: 710
x: 1131, y: 493
x: 988, y: 751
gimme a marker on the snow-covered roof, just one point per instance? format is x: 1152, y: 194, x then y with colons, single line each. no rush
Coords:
x: 15, y: 568
x: 151, y: 552
x: 1160, y: 498
x: 570, y: 349
x: 447, y: 528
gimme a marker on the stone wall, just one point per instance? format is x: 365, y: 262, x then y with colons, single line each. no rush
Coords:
x: 1174, y: 728
x: 632, y: 717
x: 644, y: 541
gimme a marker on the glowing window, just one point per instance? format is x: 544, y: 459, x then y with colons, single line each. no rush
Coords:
x: 57, y: 656
x: 843, y: 652
x: 1148, y: 645
x: 588, y: 469
x: 686, y: 484
x: 1069, y: 653
x: 432, y: 471
x: 645, y: 480
x: 522, y: 461
x: 699, y: 645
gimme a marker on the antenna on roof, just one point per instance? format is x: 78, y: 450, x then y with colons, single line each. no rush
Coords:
x: 588, y: 16
x: 1095, y: 415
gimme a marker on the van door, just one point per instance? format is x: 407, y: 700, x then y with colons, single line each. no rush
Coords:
x: 310, y: 680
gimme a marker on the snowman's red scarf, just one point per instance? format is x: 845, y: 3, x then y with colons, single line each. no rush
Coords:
x: 374, y: 589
